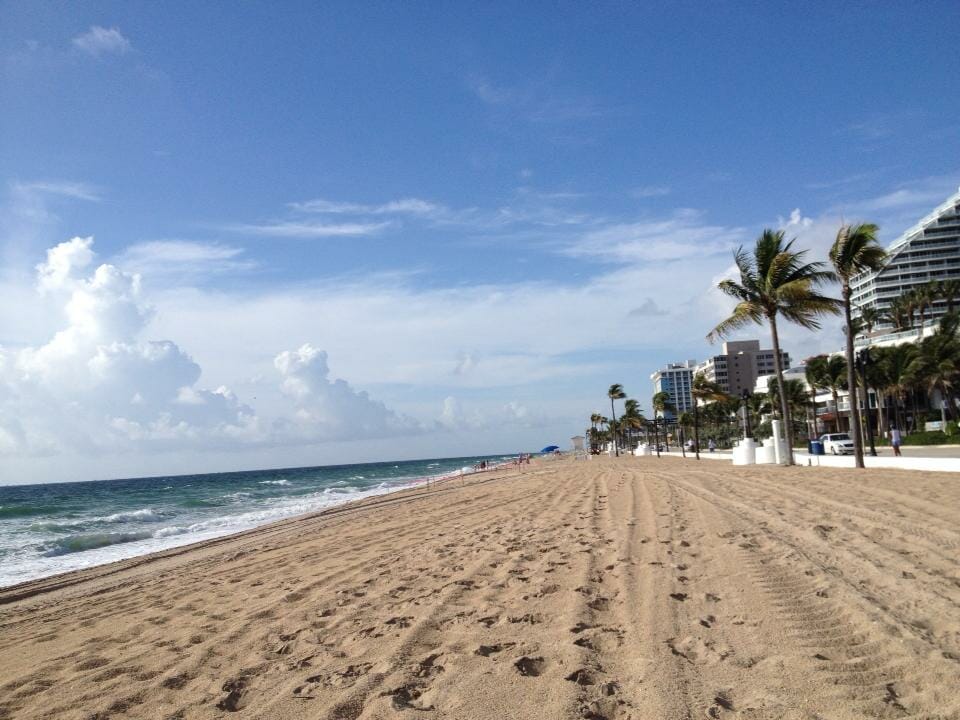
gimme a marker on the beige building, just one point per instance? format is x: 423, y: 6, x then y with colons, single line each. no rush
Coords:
x: 739, y: 365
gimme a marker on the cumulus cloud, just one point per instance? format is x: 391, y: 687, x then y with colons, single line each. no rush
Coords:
x: 332, y: 410
x: 96, y: 385
x: 99, y: 41
x: 454, y: 416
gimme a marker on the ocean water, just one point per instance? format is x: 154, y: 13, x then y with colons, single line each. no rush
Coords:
x: 49, y: 529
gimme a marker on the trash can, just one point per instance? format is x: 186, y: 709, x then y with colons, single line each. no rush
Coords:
x: 816, y: 447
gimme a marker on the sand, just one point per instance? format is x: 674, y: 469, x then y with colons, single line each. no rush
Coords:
x: 631, y: 588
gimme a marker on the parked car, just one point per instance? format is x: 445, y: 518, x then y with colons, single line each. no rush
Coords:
x: 837, y: 444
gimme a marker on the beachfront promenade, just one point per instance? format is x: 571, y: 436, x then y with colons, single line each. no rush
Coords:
x: 931, y: 459
x: 615, y: 588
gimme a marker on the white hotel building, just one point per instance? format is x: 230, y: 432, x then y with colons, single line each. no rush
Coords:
x: 930, y: 250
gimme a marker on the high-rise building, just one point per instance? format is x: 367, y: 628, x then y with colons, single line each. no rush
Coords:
x: 739, y: 365
x: 676, y: 379
x: 928, y: 251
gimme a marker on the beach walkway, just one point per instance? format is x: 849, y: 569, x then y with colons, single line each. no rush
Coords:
x: 615, y: 588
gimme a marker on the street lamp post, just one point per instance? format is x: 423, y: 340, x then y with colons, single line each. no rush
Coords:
x: 863, y: 361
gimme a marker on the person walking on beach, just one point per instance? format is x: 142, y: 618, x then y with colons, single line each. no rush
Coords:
x: 895, y: 440
x: 712, y: 445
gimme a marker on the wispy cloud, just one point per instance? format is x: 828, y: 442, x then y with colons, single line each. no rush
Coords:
x: 540, y: 101
x: 184, y: 258
x: 649, y: 191
x: 308, y: 229
x: 404, y: 206
x: 681, y: 236
x: 98, y: 41
x: 76, y: 190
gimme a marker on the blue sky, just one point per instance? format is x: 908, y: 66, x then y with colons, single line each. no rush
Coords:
x: 477, y: 216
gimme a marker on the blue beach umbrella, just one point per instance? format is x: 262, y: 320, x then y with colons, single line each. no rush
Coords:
x: 550, y: 448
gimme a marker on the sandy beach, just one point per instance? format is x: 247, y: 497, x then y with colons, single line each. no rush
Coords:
x: 631, y: 588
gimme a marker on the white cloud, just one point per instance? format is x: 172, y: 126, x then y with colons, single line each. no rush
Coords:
x: 99, y: 41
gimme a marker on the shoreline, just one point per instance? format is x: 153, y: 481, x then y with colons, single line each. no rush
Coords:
x: 616, y: 588
x: 57, y: 581
x: 114, y: 530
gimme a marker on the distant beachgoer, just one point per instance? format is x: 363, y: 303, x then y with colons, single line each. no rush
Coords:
x: 895, y: 440
x: 711, y: 446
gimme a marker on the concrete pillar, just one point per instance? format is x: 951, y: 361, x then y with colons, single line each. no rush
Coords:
x: 777, y: 448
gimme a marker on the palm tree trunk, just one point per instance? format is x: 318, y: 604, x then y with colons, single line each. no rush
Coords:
x: 781, y: 390
x: 696, y: 429
x: 882, y: 410
x: 836, y: 408
x: 852, y: 382
x: 613, y: 429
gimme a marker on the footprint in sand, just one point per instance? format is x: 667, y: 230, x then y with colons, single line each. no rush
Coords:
x: 531, y: 666
x: 488, y: 650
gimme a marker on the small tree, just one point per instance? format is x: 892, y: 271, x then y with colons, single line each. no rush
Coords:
x: 706, y: 391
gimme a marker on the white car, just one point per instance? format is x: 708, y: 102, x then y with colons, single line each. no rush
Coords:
x: 837, y: 444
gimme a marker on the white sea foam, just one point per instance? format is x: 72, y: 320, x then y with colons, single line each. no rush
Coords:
x: 275, y: 482
x: 119, y: 546
x: 144, y: 515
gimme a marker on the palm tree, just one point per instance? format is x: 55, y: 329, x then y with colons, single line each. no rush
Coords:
x: 901, y: 312
x: 897, y: 362
x: 871, y: 316
x: 937, y: 364
x: 707, y: 391
x: 684, y: 420
x: 829, y: 372
x: 922, y: 297
x: 661, y: 404
x: 776, y: 281
x: 854, y: 251
x: 632, y: 418
x: 615, y: 393
x: 798, y: 397
x: 949, y: 290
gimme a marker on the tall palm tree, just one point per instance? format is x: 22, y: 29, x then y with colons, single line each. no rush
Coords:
x: 615, y: 393
x: 922, y: 297
x: 706, y: 391
x: 776, y: 280
x: 854, y: 251
x: 661, y: 404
